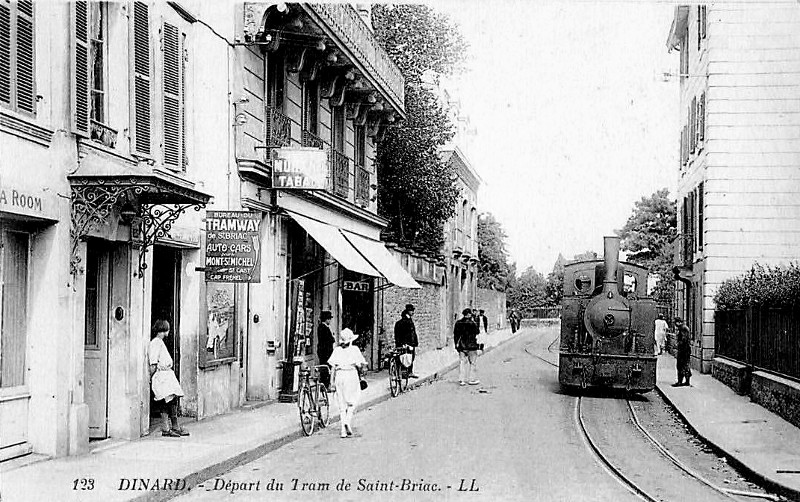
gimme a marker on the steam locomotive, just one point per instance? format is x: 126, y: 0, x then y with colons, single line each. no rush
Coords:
x: 607, y: 325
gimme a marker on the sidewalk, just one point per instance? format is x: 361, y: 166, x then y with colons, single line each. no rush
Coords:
x: 753, y: 438
x: 215, y: 446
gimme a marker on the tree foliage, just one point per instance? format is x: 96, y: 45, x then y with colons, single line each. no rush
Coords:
x: 527, y: 291
x: 416, y: 189
x: 554, y: 288
x: 647, y: 238
x: 494, y: 270
x: 762, y: 286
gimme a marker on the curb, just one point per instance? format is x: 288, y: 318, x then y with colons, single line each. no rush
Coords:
x: 732, y: 459
x: 285, y: 437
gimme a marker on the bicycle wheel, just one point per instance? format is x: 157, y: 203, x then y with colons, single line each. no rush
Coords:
x: 323, y: 406
x: 394, y: 378
x: 403, y: 375
x: 305, y: 403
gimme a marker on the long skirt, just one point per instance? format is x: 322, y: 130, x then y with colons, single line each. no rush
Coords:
x: 348, y: 388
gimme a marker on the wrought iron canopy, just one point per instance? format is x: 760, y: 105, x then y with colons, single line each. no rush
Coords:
x: 154, y: 203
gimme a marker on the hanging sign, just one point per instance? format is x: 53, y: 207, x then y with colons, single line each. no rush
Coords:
x: 299, y: 168
x: 359, y: 286
x: 232, y: 246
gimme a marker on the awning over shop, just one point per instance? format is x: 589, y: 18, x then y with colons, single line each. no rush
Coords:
x: 331, y: 239
x: 382, y: 259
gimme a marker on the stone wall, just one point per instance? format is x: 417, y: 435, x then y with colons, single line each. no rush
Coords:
x: 778, y: 395
x: 427, y: 316
x: 494, y: 303
x: 734, y: 375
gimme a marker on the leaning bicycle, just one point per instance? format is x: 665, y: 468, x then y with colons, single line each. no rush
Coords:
x: 398, y: 372
x: 312, y: 400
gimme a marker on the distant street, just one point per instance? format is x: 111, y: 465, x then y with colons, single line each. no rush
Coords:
x: 510, y: 438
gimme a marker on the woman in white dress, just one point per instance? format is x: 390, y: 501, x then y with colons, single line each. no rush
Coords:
x: 346, y: 362
x: 166, y: 388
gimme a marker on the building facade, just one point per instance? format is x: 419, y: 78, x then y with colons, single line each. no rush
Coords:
x: 122, y: 124
x: 739, y: 178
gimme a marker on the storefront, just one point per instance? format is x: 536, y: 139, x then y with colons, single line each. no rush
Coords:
x: 27, y: 220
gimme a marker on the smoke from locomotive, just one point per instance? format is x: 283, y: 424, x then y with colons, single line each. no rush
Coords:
x: 607, y: 324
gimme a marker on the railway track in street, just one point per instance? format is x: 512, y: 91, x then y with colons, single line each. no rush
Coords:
x: 605, y: 425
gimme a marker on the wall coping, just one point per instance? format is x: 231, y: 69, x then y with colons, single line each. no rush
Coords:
x: 778, y: 379
x: 729, y: 362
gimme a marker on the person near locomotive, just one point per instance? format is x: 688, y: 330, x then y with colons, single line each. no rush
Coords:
x: 348, y: 363
x: 325, y: 343
x: 166, y: 388
x: 465, y: 336
x: 660, y: 335
x: 683, y: 353
x: 405, y: 335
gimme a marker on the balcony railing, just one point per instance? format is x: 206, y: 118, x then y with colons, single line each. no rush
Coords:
x: 279, y: 128
x: 684, y: 250
x: 340, y: 173
x: 311, y: 140
x: 362, y: 185
x: 104, y: 134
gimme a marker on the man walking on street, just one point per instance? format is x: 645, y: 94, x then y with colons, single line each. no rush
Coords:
x: 325, y: 343
x: 465, y: 336
x: 405, y: 334
x: 483, y: 322
x: 660, y: 334
x: 684, y: 351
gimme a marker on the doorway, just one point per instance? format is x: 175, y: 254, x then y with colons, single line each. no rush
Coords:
x: 165, y: 302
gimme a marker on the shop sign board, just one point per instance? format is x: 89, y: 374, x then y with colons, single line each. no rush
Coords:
x: 299, y: 168
x: 17, y: 200
x: 232, y: 246
x: 358, y: 286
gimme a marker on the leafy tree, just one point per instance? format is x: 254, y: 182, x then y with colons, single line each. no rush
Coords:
x: 555, y: 282
x: 493, y: 271
x: 416, y: 190
x: 527, y: 292
x: 647, y: 238
x: 762, y: 286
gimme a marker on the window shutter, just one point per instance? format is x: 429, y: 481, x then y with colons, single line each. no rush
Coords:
x: 700, y: 216
x: 693, y: 126
x: 80, y: 68
x: 701, y: 111
x: 5, y: 53
x: 26, y: 90
x: 184, y: 56
x: 141, y: 78
x: 172, y: 97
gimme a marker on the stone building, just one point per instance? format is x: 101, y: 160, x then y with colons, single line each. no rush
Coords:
x: 121, y: 125
x: 739, y: 181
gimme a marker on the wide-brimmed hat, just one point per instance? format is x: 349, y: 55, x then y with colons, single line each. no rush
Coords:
x: 347, y: 336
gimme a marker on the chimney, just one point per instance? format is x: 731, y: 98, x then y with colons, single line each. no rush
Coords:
x: 611, y: 259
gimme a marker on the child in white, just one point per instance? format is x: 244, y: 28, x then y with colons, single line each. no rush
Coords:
x: 346, y: 362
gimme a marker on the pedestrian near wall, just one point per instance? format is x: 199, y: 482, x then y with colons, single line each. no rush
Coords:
x: 347, y: 362
x: 483, y: 321
x: 683, y: 353
x: 465, y: 336
x: 166, y: 388
x: 325, y: 343
x: 660, y: 335
x: 405, y: 335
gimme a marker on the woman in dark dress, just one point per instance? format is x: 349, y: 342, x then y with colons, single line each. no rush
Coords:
x: 325, y: 343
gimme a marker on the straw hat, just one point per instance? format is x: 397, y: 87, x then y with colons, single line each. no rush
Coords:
x: 347, y: 336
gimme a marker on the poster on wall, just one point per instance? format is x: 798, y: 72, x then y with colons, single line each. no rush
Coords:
x: 220, y: 342
x: 232, y: 246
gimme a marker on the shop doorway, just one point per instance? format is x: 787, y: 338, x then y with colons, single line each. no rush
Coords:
x: 165, y: 303
x: 358, y: 310
x: 106, y: 297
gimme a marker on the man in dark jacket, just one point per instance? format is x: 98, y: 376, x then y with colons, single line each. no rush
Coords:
x: 483, y: 322
x: 325, y: 343
x: 683, y: 353
x: 405, y: 334
x: 465, y: 336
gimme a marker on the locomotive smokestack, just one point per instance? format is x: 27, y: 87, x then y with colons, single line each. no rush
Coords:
x: 611, y: 259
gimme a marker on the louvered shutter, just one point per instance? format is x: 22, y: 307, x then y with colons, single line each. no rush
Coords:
x: 701, y: 111
x: 700, y: 209
x: 141, y: 78
x: 26, y: 89
x: 80, y: 68
x: 693, y: 125
x: 5, y: 52
x: 172, y: 97
x: 184, y: 57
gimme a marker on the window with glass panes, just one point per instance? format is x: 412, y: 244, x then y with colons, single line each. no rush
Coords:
x: 14, y: 257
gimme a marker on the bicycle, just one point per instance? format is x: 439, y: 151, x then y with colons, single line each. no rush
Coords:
x: 312, y: 400
x: 398, y: 375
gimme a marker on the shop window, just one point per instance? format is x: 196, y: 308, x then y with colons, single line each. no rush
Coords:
x: 14, y: 256
x: 17, y: 56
